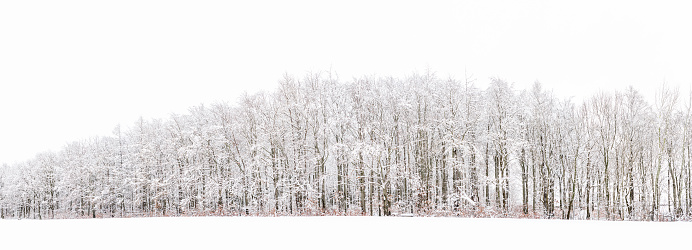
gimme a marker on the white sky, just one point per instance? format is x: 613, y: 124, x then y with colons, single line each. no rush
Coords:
x: 74, y: 69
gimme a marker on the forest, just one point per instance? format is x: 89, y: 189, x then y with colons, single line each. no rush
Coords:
x: 418, y: 145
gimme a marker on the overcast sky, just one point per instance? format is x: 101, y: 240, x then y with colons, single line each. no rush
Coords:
x: 71, y: 70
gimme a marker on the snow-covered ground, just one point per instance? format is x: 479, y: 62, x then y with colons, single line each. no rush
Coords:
x: 339, y: 233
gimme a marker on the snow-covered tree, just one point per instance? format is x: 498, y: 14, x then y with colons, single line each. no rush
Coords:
x: 377, y: 146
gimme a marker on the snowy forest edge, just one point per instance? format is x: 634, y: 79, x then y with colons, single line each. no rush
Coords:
x: 384, y: 146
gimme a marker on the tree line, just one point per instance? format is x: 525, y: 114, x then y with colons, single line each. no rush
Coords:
x: 382, y: 146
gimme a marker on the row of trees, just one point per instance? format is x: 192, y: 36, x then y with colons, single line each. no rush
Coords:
x: 378, y: 146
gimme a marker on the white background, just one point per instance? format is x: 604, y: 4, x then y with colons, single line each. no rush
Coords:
x: 70, y: 69
x: 340, y: 232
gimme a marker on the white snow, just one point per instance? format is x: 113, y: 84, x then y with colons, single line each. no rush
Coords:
x: 339, y: 233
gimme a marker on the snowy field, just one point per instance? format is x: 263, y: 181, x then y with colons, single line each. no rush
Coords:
x: 339, y: 233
